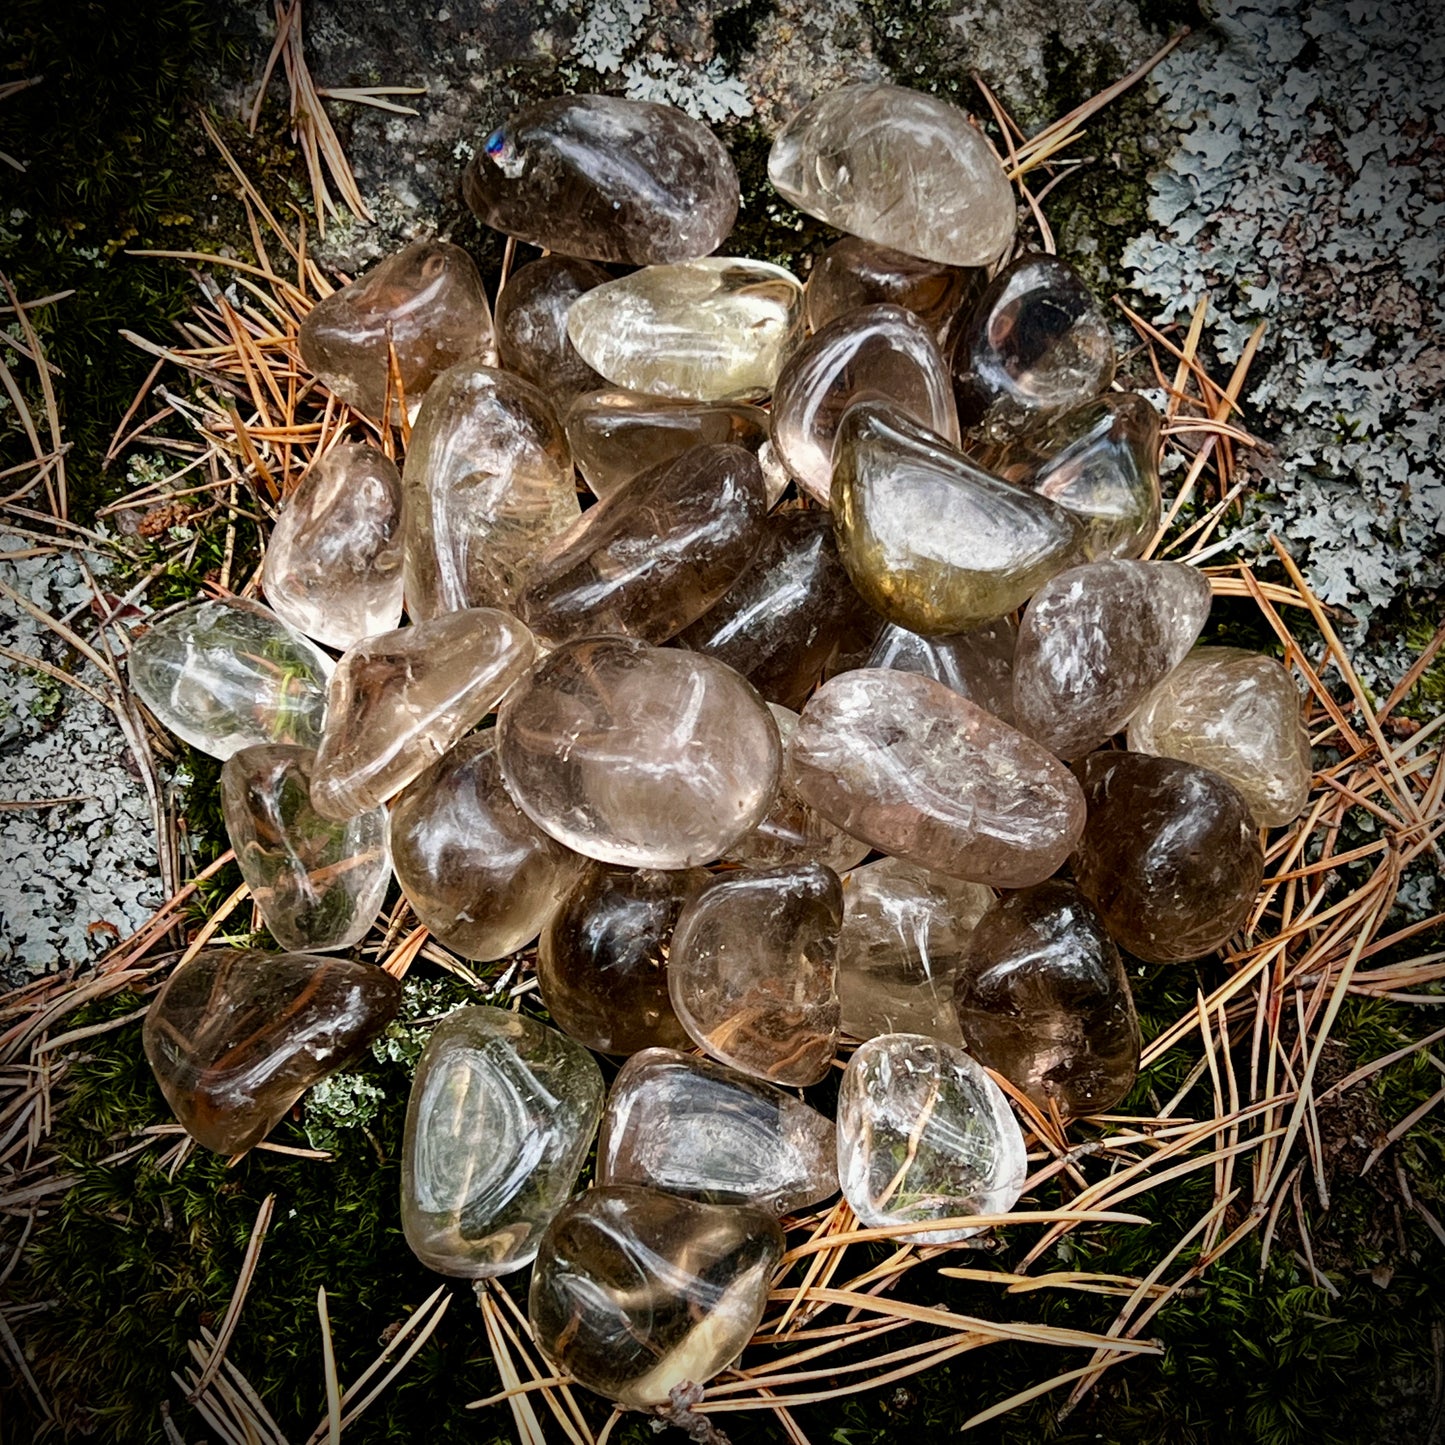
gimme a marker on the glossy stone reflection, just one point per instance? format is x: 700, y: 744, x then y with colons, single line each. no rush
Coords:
x: 690, y: 1126
x: 977, y: 664
x: 532, y: 324
x: 636, y: 1292
x: 235, y: 1038
x: 853, y: 273
x: 500, y: 1119
x: 1043, y: 999
x: 1170, y: 856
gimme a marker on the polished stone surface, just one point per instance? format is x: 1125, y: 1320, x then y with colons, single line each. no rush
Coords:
x: 977, y: 664
x: 1043, y: 999
x: 694, y: 1127
x: 502, y: 1113
x: 235, y: 1037
x: 532, y: 325
x: 924, y: 1133
x: 853, y: 273
x: 646, y: 756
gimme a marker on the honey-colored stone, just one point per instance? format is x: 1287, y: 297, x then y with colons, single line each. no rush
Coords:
x: 978, y: 664
x: 853, y: 273
x: 532, y: 325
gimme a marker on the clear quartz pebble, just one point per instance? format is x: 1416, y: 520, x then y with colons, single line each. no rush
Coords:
x: 898, y: 168
x: 400, y: 700
x: 711, y: 330
x: 318, y: 883
x: 502, y: 1113
x: 977, y: 664
x: 923, y: 1134
x: 853, y: 273
x: 332, y: 568
x: 532, y: 324
x: 694, y: 1127
x: 228, y: 675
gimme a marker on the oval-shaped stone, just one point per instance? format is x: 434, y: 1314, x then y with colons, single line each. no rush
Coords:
x: 977, y: 664
x: 898, y: 168
x: 924, y: 1133
x: 477, y: 871
x: 1170, y: 856
x: 235, y: 1038
x: 912, y: 768
x: 319, y: 884
x: 693, y: 1127
x: 426, y: 301
x: 1094, y: 640
x: 647, y: 756
x: 532, y: 324
x: 1043, y: 999
x: 932, y: 541
x: 333, y: 565
x: 710, y: 330
x: 853, y: 273
x: 655, y: 555
x: 636, y: 1293
x: 607, y: 179
x: 487, y: 484
x: 228, y: 675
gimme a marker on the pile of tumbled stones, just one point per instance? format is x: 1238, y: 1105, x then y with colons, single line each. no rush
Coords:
x: 896, y: 615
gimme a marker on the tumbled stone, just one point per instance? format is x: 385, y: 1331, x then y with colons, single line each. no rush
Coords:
x: 907, y: 765
x: 1094, y: 640
x: 898, y: 168
x: 333, y: 565
x: 646, y: 756
x: 319, y: 884
x: 501, y: 1116
x: 751, y: 970
x: 235, y: 1038
x: 488, y: 483
x: 710, y: 330
x: 904, y: 932
x: 1043, y: 999
x: 878, y: 353
x: 602, y: 958
x: 693, y: 1127
x: 1238, y: 713
x: 932, y: 541
x: 853, y: 273
x: 636, y: 1293
x: 924, y: 1133
x: 426, y: 301
x: 227, y: 675
x: 1169, y: 856
x: 607, y: 179
x: 477, y: 871
x: 532, y: 324
x: 978, y: 664
x: 655, y: 555
x: 399, y: 701
x: 1035, y: 345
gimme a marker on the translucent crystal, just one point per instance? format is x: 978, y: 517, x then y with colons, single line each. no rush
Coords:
x: 853, y: 273
x: 978, y: 664
x: 532, y: 324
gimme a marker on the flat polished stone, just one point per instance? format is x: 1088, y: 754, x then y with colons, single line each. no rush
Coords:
x: 978, y: 664
x: 853, y: 273
x: 532, y: 325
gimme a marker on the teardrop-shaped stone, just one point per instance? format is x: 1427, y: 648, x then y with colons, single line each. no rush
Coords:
x: 488, y: 483
x: 605, y: 178
x: 227, y: 675
x: 477, y: 871
x: 1035, y: 345
x: 904, y: 932
x: 426, y: 301
x: 924, y: 1133
x: 655, y: 555
x: 880, y: 353
x: 908, y: 765
x: 1043, y: 999
x: 853, y: 273
x: 977, y: 664
x: 636, y: 1293
x: 710, y: 330
x: 501, y: 1116
x: 333, y: 565
x: 235, y: 1038
x: 532, y: 324
x: 931, y: 540
x: 693, y: 1127
x: 751, y: 971
x: 1094, y: 640
x: 319, y: 884
x: 898, y: 168
x: 1238, y: 713
x: 399, y: 701
x: 602, y: 959
x: 1170, y: 855
x: 646, y: 756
